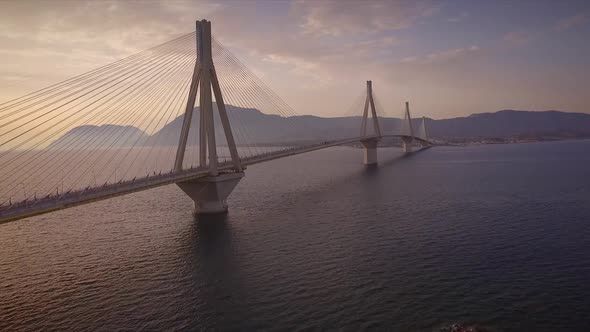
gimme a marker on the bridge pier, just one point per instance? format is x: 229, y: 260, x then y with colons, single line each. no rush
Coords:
x: 370, y: 146
x: 210, y: 193
x: 407, y: 143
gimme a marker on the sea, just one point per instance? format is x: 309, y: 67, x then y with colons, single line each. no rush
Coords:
x: 494, y: 236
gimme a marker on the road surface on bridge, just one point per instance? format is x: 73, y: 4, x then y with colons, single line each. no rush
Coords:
x: 85, y: 196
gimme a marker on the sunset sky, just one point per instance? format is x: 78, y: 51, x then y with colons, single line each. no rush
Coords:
x: 449, y: 58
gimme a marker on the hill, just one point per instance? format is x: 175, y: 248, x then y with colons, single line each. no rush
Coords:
x: 511, y: 123
x: 91, y: 137
x: 254, y: 127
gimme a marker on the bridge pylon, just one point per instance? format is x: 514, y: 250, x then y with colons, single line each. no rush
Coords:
x: 408, y: 138
x: 370, y: 142
x: 424, y: 143
x: 209, y: 193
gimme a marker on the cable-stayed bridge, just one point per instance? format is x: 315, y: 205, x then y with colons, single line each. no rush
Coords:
x: 175, y: 113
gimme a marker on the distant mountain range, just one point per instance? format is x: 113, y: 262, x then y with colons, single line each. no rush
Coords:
x: 510, y: 123
x: 104, y: 136
x: 251, y: 126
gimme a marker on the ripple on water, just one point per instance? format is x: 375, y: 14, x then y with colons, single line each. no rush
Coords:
x: 494, y: 236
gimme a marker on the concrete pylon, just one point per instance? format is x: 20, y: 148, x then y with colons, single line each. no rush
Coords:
x: 423, y: 128
x: 408, y: 140
x: 209, y: 193
x: 370, y: 143
x: 424, y: 143
x: 370, y: 103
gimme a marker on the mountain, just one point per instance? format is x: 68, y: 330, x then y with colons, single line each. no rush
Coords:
x: 254, y: 127
x: 511, y: 123
x: 251, y: 125
x: 91, y: 137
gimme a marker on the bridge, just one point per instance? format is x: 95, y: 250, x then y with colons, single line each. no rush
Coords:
x: 56, y: 143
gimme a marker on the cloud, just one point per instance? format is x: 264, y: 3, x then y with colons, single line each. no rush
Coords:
x: 517, y: 38
x: 444, y: 57
x: 300, y: 67
x: 334, y: 45
x: 336, y: 18
x: 571, y: 22
x: 311, y: 38
x: 456, y: 19
x: 55, y: 40
x: 322, y: 58
x: 108, y: 22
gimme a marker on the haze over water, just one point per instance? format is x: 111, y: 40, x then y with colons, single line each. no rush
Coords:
x: 490, y: 235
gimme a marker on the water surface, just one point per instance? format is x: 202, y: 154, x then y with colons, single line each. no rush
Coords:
x: 492, y: 235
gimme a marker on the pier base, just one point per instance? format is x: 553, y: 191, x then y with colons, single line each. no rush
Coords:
x: 210, y: 193
x: 407, y: 143
x: 370, y: 151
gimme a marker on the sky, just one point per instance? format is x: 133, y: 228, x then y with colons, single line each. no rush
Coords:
x: 448, y: 58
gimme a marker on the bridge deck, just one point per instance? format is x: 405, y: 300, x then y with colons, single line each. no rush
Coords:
x: 85, y: 196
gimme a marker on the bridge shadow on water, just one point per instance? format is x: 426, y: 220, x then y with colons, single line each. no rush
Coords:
x: 211, y: 245
x: 216, y: 289
x: 370, y: 170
